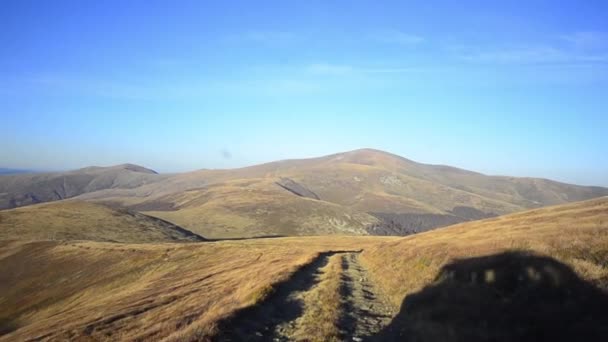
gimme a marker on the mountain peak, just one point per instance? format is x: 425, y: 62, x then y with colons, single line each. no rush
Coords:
x: 135, y: 168
x: 370, y: 156
x: 126, y: 166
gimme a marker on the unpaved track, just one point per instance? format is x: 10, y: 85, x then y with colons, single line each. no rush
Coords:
x: 363, y: 312
x: 274, y: 319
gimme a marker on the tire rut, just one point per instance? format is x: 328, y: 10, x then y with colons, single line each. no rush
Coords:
x: 363, y: 313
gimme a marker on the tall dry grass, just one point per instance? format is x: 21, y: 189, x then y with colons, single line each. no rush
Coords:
x: 81, y: 290
x: 576, y: 234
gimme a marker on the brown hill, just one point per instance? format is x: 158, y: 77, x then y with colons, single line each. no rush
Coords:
x: 24, y: 189
x: 256, y: 207
x: 358, y: 192
x: 71, y: 220
x: 402, y: 196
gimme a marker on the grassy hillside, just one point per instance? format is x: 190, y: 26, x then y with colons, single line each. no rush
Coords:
x: 402, y: 196
x: 257, y: 207
x: 72, y: 220
x: 417, y: 271
x: 506, y: 278
x: 72, y: 290
x: 358, y: 192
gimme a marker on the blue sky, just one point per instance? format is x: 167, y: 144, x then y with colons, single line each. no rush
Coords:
x: 514, y: 87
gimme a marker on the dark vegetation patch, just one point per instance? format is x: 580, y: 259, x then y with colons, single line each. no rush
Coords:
x: 7, y: 326
x: 296, y: 188
x: 407, y: 224
x: 178, y: 232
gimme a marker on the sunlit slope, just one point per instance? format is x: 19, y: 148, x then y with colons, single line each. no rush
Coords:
x: 258, y: 207
x: 359, y: 192
x: 576, y: 234
x: 89, y: 290
x: 403, y: 196
x: 73, y: 220
x: 80, y: 290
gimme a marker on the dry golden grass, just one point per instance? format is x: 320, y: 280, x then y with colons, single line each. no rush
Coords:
x: 259, y: 207
x: 576, y: 234
x: 73, y: 220
x: 171, y: 292
x: 246, y: 202
x: 177, y: 292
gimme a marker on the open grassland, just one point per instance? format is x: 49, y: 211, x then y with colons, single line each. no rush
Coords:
x: 179, y: 292
x: 74, y: 220
x: 259, y: 208
x: 575, y: 234
x: 172, y: 292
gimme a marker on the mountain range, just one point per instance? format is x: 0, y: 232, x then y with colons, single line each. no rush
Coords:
x: 362, y: 192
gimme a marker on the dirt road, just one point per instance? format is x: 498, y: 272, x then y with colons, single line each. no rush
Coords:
x: 293, y: 312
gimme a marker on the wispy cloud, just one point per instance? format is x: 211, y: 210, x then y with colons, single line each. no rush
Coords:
x: 329, y: 69
x: 263, y: 37
x: 587, y: 39
x: 574, y: 50
x: 154, y: 90
x: 342, y: 69
x: 526, y: 54
x: 395, y: 37
x: 93, y: 86
x: 395, y: 70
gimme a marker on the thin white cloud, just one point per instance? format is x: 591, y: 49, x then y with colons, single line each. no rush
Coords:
x: 532, y: 54
x: 529, y: 54
x: 263, y: 37
x: 116, y: 89
x: 395, y: 37
x: 329, y: 69
x: 341, y: 69
x: 93, y: 86
x: 578, y: 47
x: 587, y: 39
x: 393, y: 70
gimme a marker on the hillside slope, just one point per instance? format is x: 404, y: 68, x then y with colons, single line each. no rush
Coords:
x: 70, y: 220
x: 51, y: 290
x: 455, y: 260
x: 359, y: 192
x: 402, y: 196
x: 247, y: 208
x: 504, y: 279
x: 25, y: 189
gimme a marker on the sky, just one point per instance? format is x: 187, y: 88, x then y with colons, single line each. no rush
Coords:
x: 515, y: 88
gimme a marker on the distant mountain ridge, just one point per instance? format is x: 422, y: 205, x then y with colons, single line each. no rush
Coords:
x: 25, y: 189
x: 358, y: 192
x: 8, y: 171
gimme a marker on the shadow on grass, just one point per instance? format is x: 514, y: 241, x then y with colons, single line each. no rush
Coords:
x: 248, y: 238
x: 513, y: 296
x: 7, y: 326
